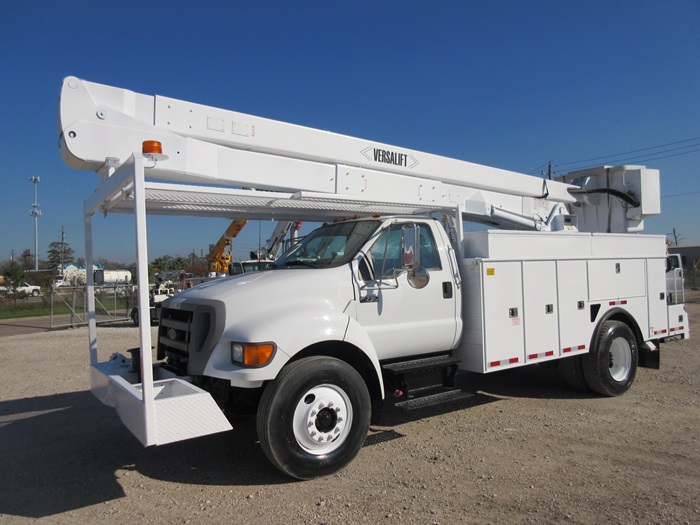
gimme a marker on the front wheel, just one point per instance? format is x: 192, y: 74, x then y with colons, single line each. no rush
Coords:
x: 313, y: 418
x: 611, y: 365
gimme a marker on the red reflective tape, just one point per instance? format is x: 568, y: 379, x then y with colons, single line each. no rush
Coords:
x: 541, y: 354
x: 495, y: 363
x: 581, y: 347
x: 672, y: 330
x: 566, y: 350
x: 663, y: 331
x: 513, y: 360
x: 613, y: 303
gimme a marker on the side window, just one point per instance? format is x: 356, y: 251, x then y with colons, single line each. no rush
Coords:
x: 671, y: 263
x: 429, y: 257
x: 389, y: 243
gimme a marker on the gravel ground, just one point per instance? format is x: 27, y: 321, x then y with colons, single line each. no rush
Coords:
x: 527, y: 449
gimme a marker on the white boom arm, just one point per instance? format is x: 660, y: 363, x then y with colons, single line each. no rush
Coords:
x: 102, y: 126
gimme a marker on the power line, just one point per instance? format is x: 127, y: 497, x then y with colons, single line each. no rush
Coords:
x: 643, y: 158
x: 680, y: 194
x: 538, y: 168
x: 614, y: 155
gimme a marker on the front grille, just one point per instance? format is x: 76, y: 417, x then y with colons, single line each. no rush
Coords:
x: 175, y: 332
x: 188, y: 335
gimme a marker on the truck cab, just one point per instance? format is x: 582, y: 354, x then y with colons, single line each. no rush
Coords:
x: 348, y: 283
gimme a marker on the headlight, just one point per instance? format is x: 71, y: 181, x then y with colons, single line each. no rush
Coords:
x: 252, y: 354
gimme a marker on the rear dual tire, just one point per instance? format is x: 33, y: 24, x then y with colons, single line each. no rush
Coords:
x: 611, y: 365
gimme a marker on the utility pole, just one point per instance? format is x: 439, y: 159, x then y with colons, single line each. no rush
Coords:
x: 36, y: 213
x: 63, y: 246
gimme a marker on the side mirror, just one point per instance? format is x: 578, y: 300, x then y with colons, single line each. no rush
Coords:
x: 410, y: 244
x: 99, y: 277
x: 418, y: 277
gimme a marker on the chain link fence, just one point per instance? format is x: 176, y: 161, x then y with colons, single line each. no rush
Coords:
x: 69, y: 305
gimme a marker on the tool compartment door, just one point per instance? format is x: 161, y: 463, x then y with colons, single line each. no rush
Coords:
x: 503, y: 314
x: 574, y: 317
x: 541, y: 315
x: 657, y: 295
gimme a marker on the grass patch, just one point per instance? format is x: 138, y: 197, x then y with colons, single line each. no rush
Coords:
x: 23, y: 308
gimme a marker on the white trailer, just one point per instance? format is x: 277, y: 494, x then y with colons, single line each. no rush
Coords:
x: 384, y: 307
x: 112, y: 277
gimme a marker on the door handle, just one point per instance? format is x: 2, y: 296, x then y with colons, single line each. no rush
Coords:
x: 447, y: 290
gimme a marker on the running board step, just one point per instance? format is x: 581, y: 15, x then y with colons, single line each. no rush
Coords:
x: 421, y: 365
x: 441, y: 398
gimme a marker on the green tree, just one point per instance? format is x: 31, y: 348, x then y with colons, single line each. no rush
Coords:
x: 59, y: 254
x: 14, y: 275
x: 162, y: 264
x: 180, y: 263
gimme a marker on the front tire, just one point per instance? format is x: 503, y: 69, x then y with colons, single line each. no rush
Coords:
x: 611, y: 365
x: 313, y: 418
x: 135, y: 316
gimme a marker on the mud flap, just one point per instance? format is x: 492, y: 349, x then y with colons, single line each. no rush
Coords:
x: 649, y: 358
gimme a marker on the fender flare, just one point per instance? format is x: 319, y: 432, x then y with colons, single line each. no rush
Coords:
x: 357, y: 336
x: 299, y: 332
x: 617, y: 314
x: 352, y: 335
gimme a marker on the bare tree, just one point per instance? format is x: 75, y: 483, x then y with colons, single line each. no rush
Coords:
x: 676, y: 237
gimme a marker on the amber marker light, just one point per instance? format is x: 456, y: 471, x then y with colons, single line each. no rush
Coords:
x: 252, y: 354
x: 153, y: 150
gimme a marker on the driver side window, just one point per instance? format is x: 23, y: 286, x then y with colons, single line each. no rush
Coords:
x: 385, y: 253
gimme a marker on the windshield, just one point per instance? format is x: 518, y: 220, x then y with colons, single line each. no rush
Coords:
x: 329, y: 246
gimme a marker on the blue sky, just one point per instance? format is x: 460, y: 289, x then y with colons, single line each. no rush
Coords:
x: 509, y: 84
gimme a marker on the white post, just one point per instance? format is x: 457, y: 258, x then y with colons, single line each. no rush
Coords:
x: 459, y: 227
x: 144, y: 307
x: 90, y: 289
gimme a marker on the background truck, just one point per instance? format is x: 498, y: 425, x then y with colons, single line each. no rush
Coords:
x: 386, y: 301
x: 22, y: 288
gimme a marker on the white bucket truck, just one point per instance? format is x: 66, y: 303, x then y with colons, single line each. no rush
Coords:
x: 385, y: 306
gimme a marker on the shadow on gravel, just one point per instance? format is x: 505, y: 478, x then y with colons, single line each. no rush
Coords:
x: 528, y: 381
x: 68, y: 451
